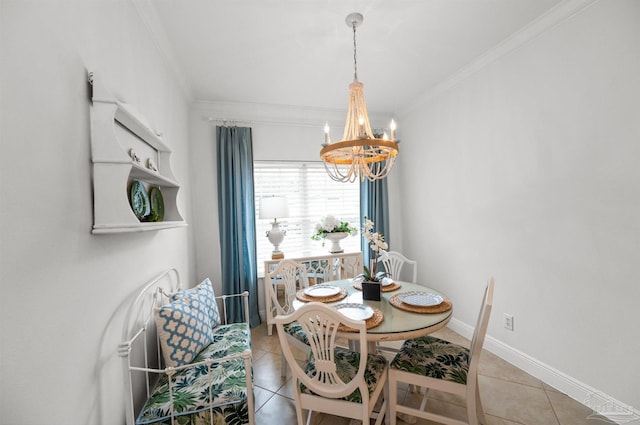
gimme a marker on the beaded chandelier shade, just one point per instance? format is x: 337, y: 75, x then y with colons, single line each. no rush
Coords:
x: 359, y: 153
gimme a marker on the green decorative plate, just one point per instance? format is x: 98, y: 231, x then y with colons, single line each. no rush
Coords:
x: 157, y: 205
x: 139, y: 200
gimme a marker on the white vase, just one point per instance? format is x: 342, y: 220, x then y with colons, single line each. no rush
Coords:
x: 335, y: 239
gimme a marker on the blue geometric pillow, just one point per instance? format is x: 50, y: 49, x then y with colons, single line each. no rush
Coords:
x: 204, y: 294
x: 183, y: 329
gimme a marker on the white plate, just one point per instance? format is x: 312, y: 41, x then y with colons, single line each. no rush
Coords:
x: 421, y: 299
x: 386, y: 281
x: 355, y: 311
x: 322, y: 291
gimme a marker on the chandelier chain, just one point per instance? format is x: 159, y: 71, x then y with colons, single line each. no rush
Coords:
x: 355, y: 56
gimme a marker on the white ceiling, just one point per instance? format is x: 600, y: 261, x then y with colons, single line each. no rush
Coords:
x: 300, y: 52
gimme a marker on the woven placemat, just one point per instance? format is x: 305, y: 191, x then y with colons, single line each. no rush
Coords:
x: 371, y: 322
x: 445, y: 305
x: 300, y: 295
x: 388, y: 288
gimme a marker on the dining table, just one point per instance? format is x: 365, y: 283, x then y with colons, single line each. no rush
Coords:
x: 395, y: 320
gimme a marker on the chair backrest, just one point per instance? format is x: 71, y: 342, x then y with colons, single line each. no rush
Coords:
x: 393, y: 263
x: 320, y: 323
x: 292, y: 276
x: 481, y: 327
x: 350, y: 265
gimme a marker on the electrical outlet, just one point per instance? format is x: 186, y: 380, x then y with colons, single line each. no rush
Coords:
x: 508, y: 322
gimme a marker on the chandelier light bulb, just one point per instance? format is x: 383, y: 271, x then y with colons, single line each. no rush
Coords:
x: 392, y: 127
x: 327, y: 137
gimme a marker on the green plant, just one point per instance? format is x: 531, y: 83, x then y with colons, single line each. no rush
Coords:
x: 369, y: 276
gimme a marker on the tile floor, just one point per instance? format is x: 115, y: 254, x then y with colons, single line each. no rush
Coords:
x: 509, y: 395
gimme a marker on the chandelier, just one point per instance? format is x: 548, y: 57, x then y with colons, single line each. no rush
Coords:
x: 359, y: 153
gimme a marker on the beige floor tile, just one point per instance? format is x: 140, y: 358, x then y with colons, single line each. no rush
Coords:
x: 266, y: 372
x: 261, y: 396
x: 256, y: 353
x: 494, y: 366
x: 570, y: 412
x: 287, y: 389
x: 436, y: 406
x: 277, y: 410
x: 516, y: 402
x: 266, y: 342
x: 499, y: 421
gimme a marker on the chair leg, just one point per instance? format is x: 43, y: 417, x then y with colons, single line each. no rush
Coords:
x: 479, y: 410
x: 392, y: 400
x: 283, y: 366
x: 270, y: 330
x: 472, y: 406
x: 387, y: 404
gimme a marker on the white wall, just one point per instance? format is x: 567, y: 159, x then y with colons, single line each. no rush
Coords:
x: 529, y: 170
x: 64, y: 289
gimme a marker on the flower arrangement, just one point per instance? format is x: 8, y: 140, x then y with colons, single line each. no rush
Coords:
x: 331, y: 224
x: 378, y: 246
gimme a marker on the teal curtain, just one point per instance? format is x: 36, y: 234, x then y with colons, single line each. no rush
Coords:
x: 374, y: 203
x: 236, y: 219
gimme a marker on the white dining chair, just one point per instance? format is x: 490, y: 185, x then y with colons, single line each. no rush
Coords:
x: 394, y: 263
x: 433, y: 363
x: 334, y: 380
x: 292, y: 277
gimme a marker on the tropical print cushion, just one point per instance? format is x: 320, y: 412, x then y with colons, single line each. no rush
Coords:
x: 347, y: 363
x: 433, y: 357
x: 191, y: 399
x: 202, y: 293
x: 295, y: 330
x: 183, y: 330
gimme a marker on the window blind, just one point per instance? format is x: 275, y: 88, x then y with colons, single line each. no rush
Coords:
x: 311, y: 194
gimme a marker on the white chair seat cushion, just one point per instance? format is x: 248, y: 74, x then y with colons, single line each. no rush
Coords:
x: 433, y: 357
x: 295, y: 330
x: 347, y: 366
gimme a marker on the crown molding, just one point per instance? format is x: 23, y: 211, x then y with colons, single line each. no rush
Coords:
x: 248, y: 113
x: 554, y: 16
x: 149, y: 17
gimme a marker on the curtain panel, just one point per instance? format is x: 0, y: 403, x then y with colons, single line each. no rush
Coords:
x: 374, y: 203
x: 236, y: 218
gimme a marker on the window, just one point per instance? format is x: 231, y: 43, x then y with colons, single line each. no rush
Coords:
x: 311, y: 194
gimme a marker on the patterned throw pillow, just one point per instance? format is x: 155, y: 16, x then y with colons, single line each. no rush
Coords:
x: 204, y: 294
x: 183, y: 329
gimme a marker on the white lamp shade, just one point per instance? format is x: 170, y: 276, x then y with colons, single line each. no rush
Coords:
x: 272, y: 207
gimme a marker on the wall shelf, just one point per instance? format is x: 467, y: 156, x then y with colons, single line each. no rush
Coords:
x: 117, y: 130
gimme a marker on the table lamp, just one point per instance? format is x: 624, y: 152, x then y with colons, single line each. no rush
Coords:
x: 274, y: 207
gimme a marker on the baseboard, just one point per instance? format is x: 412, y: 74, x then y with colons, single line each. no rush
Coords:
x: 601, y: 403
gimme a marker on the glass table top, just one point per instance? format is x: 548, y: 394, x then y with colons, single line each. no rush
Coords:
x: 397, y: 324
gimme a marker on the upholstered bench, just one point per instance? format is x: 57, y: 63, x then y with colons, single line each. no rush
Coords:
x: 204, y: 373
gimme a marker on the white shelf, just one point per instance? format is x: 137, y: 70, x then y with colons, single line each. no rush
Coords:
x: 140, y: 227
x: 115, y: 130
x: 138, y: 172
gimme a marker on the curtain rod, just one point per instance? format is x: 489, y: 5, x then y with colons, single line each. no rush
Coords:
x: 228, y: 122
x: 237, y: 122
